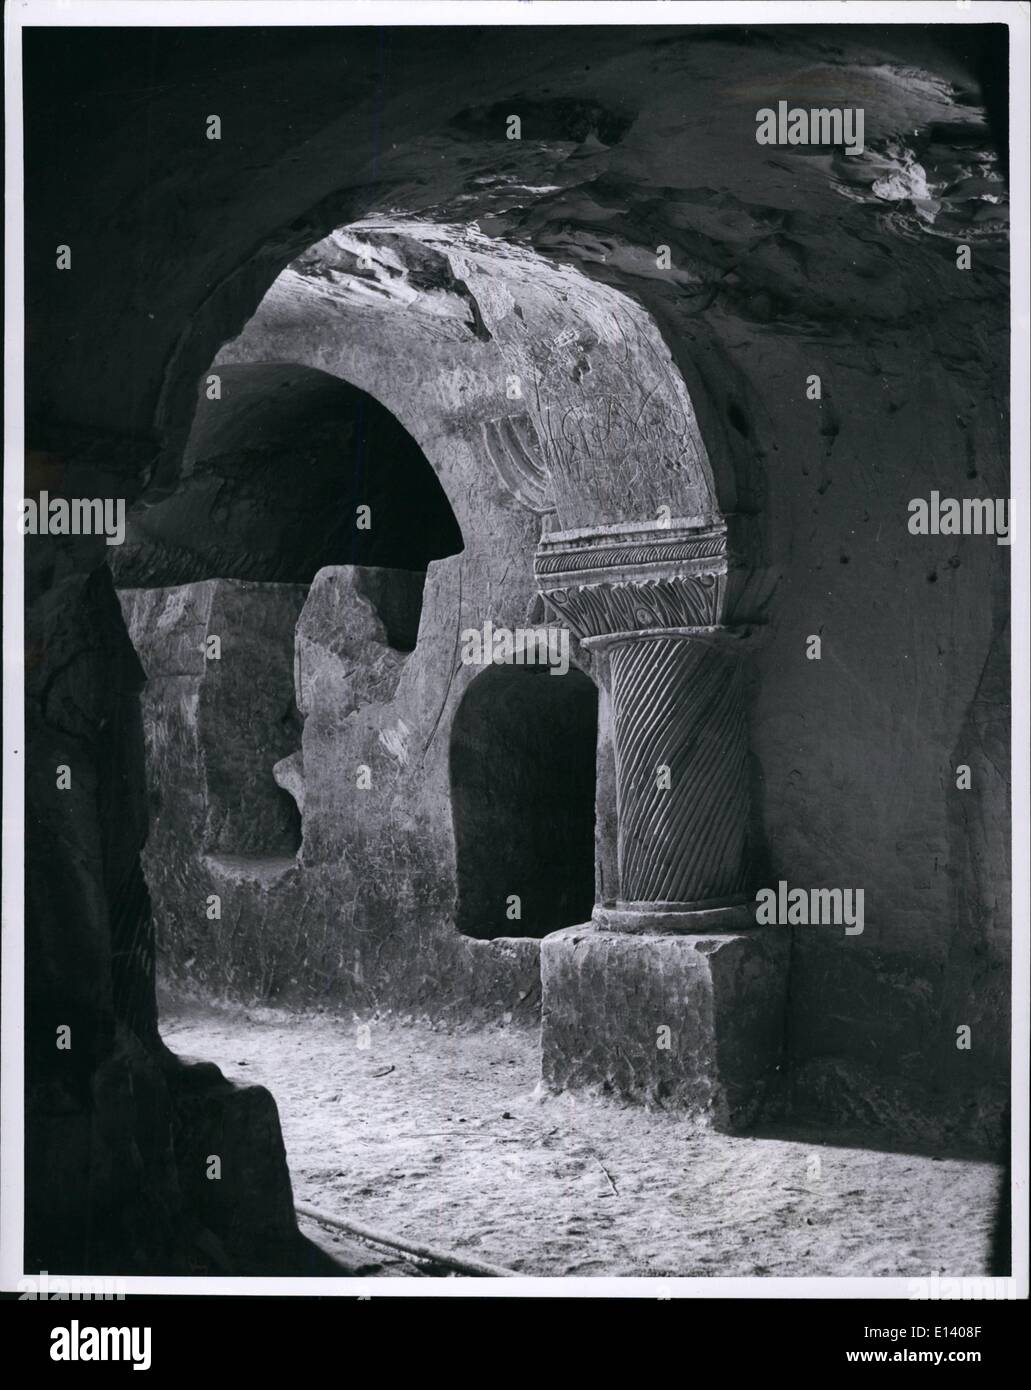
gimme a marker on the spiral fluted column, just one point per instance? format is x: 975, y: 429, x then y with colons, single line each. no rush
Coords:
x: 651, y: 598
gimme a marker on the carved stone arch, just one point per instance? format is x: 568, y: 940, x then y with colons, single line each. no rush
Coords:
x: 565, y: 441
x: 542, y: 397
x: 499, y: 343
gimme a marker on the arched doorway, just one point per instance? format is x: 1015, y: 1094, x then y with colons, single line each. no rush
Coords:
x: 523, y: 749
x: 297, y: 485
x: 288, y: 469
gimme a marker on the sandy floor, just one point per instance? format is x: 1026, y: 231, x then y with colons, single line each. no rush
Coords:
x: 439, y: 1137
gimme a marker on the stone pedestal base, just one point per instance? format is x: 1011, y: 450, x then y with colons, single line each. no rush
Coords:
x: 692, y: 1023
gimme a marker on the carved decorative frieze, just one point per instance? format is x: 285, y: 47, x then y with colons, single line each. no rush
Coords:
x: 628, y: 578
x: 594, y: 610
x: 561, y: 556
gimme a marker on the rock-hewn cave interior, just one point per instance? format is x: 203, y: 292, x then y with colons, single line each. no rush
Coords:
x: 373, y: 374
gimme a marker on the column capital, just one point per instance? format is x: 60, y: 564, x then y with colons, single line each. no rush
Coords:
x: 634, y: 578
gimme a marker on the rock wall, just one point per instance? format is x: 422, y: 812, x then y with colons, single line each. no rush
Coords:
x: 218, y: 713
x: 361, y: 912
x: 119, y: 1133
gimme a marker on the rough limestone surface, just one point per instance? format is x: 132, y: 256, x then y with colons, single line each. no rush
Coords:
x: 361, y: 910
x: 694, y: 1023
x: 353, y: 636
x: 251, y: 1203
x: 216, y: 725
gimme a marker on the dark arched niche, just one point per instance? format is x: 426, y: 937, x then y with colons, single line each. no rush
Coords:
x: 523, y: 749
x: 275, y: 469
